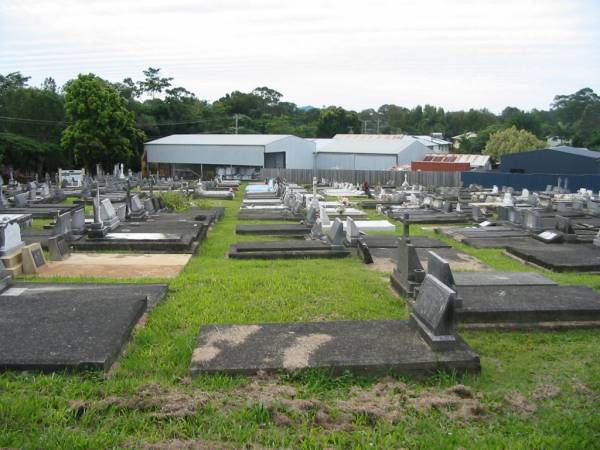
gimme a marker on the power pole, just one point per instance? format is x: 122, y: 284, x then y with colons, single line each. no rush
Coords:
x: 378, y: 120
x: 236, y: 123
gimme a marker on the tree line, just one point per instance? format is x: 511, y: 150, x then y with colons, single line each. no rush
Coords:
x: 90, y: 120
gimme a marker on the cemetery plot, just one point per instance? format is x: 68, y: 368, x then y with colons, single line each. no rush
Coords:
x: 296, y: 230
x: 51, y: 327
x: 424, y: 345
x: 558, y: 257
x: 117, y: 265
x: 286, y: 250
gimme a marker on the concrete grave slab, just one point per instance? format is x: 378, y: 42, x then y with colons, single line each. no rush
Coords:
x: 282, y: 229
x: 558, y: 257
x: 117, y: 265
x: 529, y: 307
x: 66, y: 326
x: 362, y: 347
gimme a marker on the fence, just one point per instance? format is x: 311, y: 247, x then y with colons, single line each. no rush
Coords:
x: 532, y: 181
x: 373, y: 177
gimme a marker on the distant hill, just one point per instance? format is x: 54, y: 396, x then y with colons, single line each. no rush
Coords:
x: 306, y: 108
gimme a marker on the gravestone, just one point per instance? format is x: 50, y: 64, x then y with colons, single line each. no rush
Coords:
x: 352, y: 232
x: 477, y: 214
x: 433, y: 313
x: 21, y: 200
x: 97, y: 229
x: 565, y: 227
x: 502, y: 212
x: 108, y: 214
x: 440, y: 269
x: 10, y: 238
x: 5, y: 277
x: 63, y: 224
x: 316, y: 232
x: 336, y: 233
x: 149, y: 206
x: 408, y: 273
x: 596, y: 240
x: 33, y: 258
x: 58, y: 247
x: 136, y: 208
x: 532, y: 220
x: 3, y: 202
x: 78, y: 221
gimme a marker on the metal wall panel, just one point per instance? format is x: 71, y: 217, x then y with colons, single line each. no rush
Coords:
x: 374, y: 162
x: 226, y: 155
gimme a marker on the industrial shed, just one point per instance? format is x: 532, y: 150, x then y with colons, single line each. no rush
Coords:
x: 555, y: 160
x: 228, y: 154
x: 369, y: 152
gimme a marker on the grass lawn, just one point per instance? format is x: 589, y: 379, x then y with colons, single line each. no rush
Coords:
x: 536, y: 389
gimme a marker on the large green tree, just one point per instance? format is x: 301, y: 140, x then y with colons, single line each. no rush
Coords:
x: 334, y: 120
x: 103, y: 129
x: 511, y: 140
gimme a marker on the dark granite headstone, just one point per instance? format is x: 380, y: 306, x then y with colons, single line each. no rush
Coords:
x: 409, y: 272
x: 440, y: 269
x: 433, y: 312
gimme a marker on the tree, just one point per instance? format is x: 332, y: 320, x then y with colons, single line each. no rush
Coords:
x: 270, y: 96
x: 49, y: 84
x: 587, y: 129
x: 511, y: 140
x: 153, y: 84
x: 13, y: 80
x: 334, y: 120
x: 103, y: 129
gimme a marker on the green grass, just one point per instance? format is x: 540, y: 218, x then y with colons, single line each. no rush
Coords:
x: 35, y: 413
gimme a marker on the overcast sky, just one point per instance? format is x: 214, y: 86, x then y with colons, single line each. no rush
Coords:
x: 358, y: 54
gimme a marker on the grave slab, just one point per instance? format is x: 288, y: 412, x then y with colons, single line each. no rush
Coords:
x: 282, y: 229
x: 528, y: 307
x: 52, y: 327
x: 117, y: 265
x: 474, y: 279
x: 362, y: 347
x: 558, y: 257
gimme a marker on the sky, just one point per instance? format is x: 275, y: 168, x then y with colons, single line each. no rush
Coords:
x: 457, y: 54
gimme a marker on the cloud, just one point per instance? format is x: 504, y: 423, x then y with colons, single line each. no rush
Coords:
x: 452, y: 53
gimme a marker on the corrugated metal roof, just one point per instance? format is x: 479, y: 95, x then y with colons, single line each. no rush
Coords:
x: 368, y: 137
x: 320, y: 142
x: 219, y: 139
x: 473, y: 160
x: 428, y: 141
x: 384, y: 146
x: 577, y: 151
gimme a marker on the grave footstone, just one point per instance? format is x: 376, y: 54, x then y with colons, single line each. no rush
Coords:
x: 149, y: 206
x: 433, y: 313
x: 136, y: 208
x: 108, y: 214
x: 33, y: 258
x: 5, y: 277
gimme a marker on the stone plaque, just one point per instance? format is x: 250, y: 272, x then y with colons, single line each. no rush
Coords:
x: 434, y: 306
x: 440, y: 268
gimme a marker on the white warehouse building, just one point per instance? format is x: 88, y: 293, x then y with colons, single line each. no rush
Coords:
x: 227, y: 154
x: 369, y: 151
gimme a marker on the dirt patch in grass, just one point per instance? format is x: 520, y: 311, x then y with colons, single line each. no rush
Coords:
x: 545, y: 391
x: 518, y: 403
x: 164, y: 403
x: 177, y: 444
x: 388, y: 400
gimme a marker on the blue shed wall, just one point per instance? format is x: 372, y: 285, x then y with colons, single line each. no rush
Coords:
x: 532, y: 181
x: 549, y: 161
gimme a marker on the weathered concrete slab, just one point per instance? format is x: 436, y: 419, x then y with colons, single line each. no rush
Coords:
x: 117, y: 265
x: 501, y: 279
x: 558, y: 257
x: 62, y: 327
x: 497, y: 242
x: 362, y: 347
x: 288, y: 249
x: 529, y: 306
x: 391, y: 241
x: 281, y: 229
x: 384, y: 259
x: 269, y: 215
